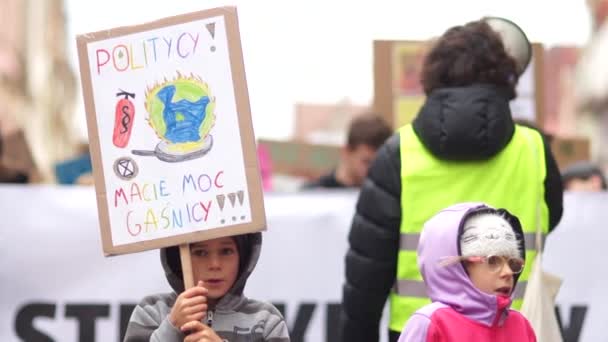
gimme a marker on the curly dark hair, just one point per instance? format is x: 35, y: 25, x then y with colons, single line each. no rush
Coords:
x: 466, y: 55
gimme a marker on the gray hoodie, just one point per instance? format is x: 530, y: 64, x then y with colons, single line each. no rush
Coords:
x: 235, y: 317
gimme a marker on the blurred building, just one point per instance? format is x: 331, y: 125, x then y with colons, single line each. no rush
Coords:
x: 324, y: 123
x: 591, y: 84
x: 559, y: 103
x: 37, y: 86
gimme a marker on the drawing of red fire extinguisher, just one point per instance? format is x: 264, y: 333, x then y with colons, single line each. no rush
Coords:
x: 123, y: 119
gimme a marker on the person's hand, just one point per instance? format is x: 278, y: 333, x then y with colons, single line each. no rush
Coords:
x: 190, y: 305
x: 199, y: 332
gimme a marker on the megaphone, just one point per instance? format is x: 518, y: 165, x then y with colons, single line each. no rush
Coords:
x: 514, y: 39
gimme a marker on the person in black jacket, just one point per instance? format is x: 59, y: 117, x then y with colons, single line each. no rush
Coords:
x: 469, y: 79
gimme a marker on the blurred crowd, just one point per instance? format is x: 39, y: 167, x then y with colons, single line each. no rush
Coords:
x: 40, y: 143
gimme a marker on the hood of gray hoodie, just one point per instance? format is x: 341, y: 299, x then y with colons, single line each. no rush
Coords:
x: 451, y: 284
x: 465, y: 123
x: 249, y: 246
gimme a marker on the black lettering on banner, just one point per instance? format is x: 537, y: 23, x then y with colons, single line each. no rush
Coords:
x: 303, y: 316
x: 332, y: 323
x: 125, y: 315
x: 280, y: 307
x: 572, y: 332
x: 86, y: 314
x: 24, y: 321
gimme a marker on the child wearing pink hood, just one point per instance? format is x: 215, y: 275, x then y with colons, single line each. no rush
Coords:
x: 470, y: 256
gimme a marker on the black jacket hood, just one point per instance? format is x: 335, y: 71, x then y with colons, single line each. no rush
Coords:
x: 465, y: 123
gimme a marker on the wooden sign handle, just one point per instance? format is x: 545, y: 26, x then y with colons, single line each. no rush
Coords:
x: 184, y: 253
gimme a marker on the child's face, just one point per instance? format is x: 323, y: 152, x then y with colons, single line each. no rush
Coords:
x: 493, y: 276
x: 216, y: 262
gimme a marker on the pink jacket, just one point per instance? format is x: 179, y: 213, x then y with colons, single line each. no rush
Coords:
x: 438, y: 322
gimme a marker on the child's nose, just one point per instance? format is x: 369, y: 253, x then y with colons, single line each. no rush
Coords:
x: 214, y: 262
x: 505, y: 270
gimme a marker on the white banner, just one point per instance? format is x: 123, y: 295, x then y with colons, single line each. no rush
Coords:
x: 57, y: 286
x: 577, y: 252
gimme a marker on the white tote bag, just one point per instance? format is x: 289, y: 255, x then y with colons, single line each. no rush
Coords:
x: 539, y: 303
x: 539, y: 299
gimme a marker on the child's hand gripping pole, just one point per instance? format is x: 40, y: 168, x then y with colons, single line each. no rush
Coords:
x: 184, y: 252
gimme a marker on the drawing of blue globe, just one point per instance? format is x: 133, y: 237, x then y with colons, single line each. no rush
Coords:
x: 181, y: 112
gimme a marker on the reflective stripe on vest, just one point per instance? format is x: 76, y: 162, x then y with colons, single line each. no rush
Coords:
x: 513, y: 179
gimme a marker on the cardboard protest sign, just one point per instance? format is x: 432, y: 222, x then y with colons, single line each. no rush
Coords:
x: 398, y: 94
x: 171, y: 138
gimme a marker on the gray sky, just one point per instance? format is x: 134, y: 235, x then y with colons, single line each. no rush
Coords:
x: 320, y: 51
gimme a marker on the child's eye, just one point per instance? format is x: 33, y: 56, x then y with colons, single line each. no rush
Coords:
x: 494, y: 260
x: 227, y: 251
x: 516, y: 265
x: 200, y: 252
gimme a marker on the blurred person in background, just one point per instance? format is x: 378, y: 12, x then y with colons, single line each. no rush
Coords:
x: 462, y: 146
x: 583, y: 176
x: 265, y: 162
x: 366, y: 133
x: 16, y: 161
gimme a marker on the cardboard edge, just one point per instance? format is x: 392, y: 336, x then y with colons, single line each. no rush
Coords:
x: 248, y: 142
x: 383, y: 95
x: 94, y: 145
x: 177, y: 240
x: 539, y: 86
x: 156, y: 24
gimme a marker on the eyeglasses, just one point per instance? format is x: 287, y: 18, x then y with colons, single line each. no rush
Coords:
x: 495, y: 263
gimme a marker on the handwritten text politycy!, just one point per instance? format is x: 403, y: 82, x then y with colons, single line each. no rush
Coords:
x: 125, y: 56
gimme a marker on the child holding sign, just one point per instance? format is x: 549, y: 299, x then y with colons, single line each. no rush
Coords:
x: 470, y: 256
x: 215, y: 309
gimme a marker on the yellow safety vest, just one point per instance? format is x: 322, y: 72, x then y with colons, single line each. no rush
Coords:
x: 513, y: 179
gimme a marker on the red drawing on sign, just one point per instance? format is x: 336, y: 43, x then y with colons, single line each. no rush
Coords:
x: 123, y: 119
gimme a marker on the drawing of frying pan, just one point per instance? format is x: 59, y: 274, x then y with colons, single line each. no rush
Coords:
x: 164, y: 152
